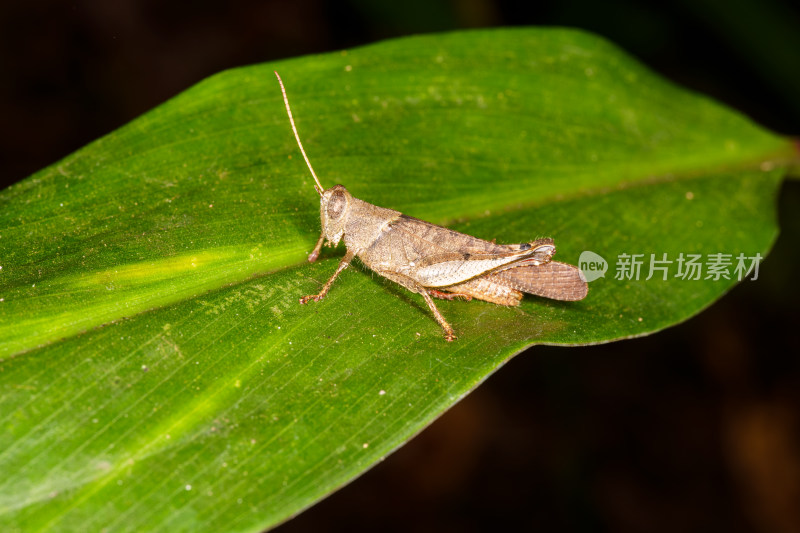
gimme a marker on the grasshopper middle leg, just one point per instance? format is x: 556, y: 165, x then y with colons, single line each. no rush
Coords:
x: 413, y: 286
x: 449, y: 334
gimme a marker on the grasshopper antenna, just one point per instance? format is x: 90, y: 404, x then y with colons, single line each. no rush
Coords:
x: 318, y: 185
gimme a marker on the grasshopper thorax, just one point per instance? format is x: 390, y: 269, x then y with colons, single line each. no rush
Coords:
x: 333, y: 209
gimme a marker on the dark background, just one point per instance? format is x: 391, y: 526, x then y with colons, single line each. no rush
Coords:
x: 695, y: 428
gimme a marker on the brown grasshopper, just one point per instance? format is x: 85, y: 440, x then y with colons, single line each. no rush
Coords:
x: 434, y: 261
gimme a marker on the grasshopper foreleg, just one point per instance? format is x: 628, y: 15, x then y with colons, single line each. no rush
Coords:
x: 325, y: 288
x: 315, y: 253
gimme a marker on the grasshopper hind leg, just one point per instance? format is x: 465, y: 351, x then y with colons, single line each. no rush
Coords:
x: 449, y: 295
x: 486, y: 289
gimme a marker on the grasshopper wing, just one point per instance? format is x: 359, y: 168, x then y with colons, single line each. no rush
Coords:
x: 438, y: 257
x: 558, y: 281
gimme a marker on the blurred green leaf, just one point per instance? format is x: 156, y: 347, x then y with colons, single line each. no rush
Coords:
x: 157, y: 371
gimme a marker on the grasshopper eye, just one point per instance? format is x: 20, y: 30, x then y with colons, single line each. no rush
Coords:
x: 337, y: 204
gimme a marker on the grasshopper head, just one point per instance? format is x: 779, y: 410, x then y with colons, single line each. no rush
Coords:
x: 333, y: 208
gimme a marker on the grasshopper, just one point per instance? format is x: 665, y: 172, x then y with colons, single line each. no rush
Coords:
x: 434, y: 261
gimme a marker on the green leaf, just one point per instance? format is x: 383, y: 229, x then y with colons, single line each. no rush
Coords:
x: 157, y: 371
